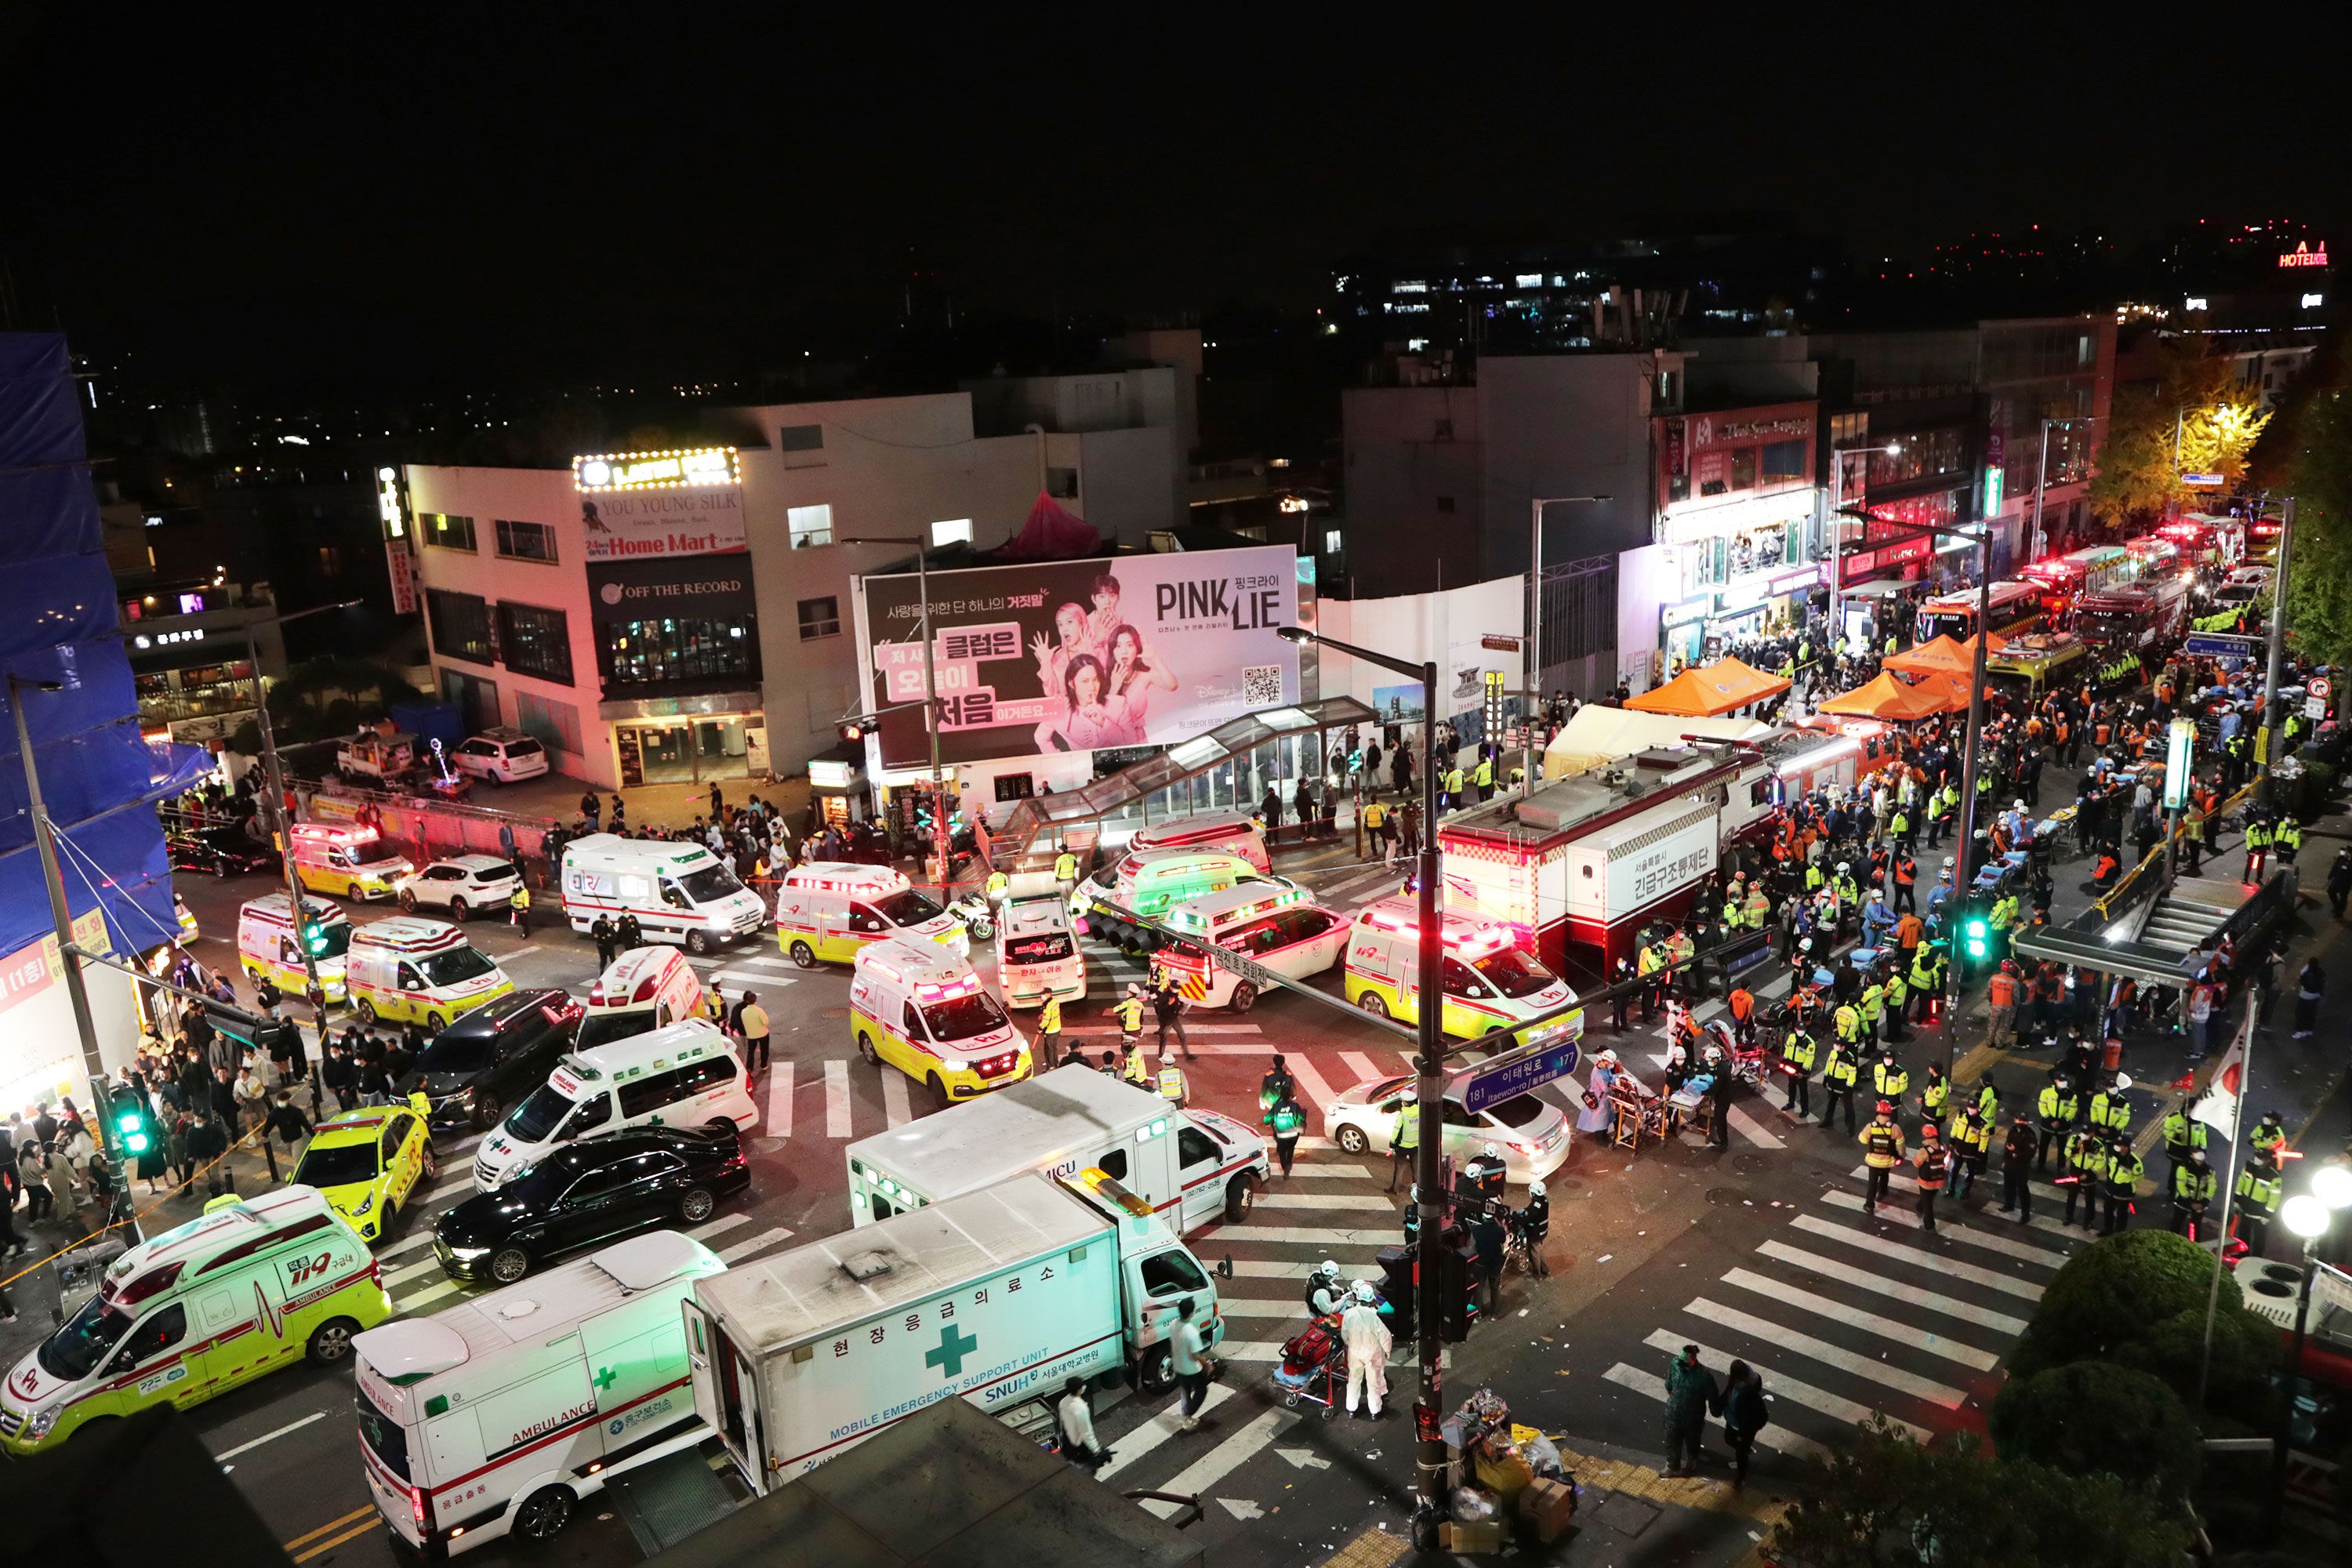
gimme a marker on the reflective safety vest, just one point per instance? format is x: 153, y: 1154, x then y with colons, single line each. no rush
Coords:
x: 1889, y: 1080
x: 1873, y: 1003
x: 1935, y: 1097
x: 1849, y: 1024
x: 1797, y: 1050
x: 2087, y: 1155
x: 1454, y: 781
x: 1130, y: 1014
x: 2182, y: 1133
x: 1485, y: 775
x: 1172, y: 1083
x: 1987, y: 1102
x: 2191, y: 1184
x: 1972, y: 1135
x: 2257, y: 836
x: 1900, y: 826
x: 1881, y: 1144
x: 1136, y: 1072
x: 1049, y: 1016
x: 1812, y: 879
x: 2111, y: 1113
x: 1066, y: 867
x: 1760, y: 908
x: 1287, y: 1118
x: 520, y: 899
x: 1923, y: 968
x: 2268, y: 1137
x: 2259, y: 1192
x: 2004, y: 912
x: 2289, y: 836
x: 2057, y: 1110
x: 1731, y: 914
x: 999, y: 884
x: 1648, y: 962
x: 1897, y: 994
x: 1406, y: 1133
x: 2123, y: 1172
x: 1841, y: 1068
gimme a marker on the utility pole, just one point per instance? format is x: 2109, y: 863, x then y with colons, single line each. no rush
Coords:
x: 1969, y: 763
x: 1533, y: 663
x: 2277, y: 631
x: 939, y: 836
x: 85, y: 1025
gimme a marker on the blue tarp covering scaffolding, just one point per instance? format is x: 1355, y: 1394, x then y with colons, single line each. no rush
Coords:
x: 98, y: 776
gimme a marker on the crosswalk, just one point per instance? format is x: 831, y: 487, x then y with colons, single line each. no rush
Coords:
x: 1849, y: 1316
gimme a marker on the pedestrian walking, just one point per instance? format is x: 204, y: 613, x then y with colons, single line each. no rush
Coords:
x: 287, y: 1123
x: 2310, y: 986
x: 1288, y: 1120
x: 1074, y: 1423
x: 752, y: 1023
x: 1369, y: 1341
x: 1745, y: 1412
x: 1168, y: 1010
x: 1404, y: 1139
x: 1690, y: 1394
x: 600, y: 931
x: 1189, y: 1359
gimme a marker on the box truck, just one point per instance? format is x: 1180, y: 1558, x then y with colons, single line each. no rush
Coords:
x: 996, y: 1297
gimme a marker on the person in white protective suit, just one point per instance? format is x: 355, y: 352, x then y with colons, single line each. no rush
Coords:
x: 1368, y: 1340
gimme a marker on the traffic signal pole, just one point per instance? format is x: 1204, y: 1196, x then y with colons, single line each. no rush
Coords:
x: 85, y: 1025
x: 1969, y: 763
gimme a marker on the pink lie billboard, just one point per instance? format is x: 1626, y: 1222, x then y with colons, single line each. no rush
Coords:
x: 1081, y: 656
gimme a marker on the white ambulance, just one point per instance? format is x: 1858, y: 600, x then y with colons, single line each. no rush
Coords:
x: 924, y: 1011
x: 1193, y: 1167
x: 679, y: 892
x: 410, y: 971
x: 828, y: 911
x: 499, y: 1416
x: 646, y: 988
x: 1228, y: 831
x: 1491, y: 985
x: 1278, y: 929
x: 269, y: 944
x: 1038, y: 952
x: 682, y: 1075
x: 348, y: 860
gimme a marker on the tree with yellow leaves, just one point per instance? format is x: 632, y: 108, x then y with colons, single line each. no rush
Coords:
x: 2195, y: 418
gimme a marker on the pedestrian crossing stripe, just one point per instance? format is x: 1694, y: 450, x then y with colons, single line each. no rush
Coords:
x: 1966, y: 1235
x: 1822, y: 1351
x: 1777, y: 1438
x: 1909, y: 1295
x: 1936, y: 1262
x: 1829, y: 1311
x: 1229, y: 1234
x: 1795, y: 1389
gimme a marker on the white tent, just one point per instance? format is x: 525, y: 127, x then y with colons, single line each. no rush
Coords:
x: 1599, y: 735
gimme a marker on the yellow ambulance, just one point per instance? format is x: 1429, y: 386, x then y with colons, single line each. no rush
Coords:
x: 347, y: 861
x: 251, y: 1286
x: 1490, y: 985
x: 269, y: 944
x: 829, y: 912
x: 410, y: 971
x: 922, y: 1010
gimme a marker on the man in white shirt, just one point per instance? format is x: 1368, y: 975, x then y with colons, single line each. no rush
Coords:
x: 1075, y: 1419
x: 1369, y: 1341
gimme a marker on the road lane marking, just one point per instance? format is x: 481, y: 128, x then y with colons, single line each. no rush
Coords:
x: 894, y: 1099
x: 1903, y: 1181
x: 1230, y: 1234
x: 1911, y: 1295
x: 269, y: 1436
x: 1326, y: 1200
x: 1780, y: 1385
x: 1879, y: 1247
x: 334, y: 1541
x: 719, y: 1227
x: 779, y: 1099
x: 332, y: 1524
x: 1747, y: 1127
x: 406, y: 1243
x: 1126, y: 1451
x: 1260, y: 1307
x: 750, y: 1245
x: 836, y: 1098
x: 1319, y: 1093
x: 430, y: 1293
x: 751, y: 979
x: 517, y: 952
x: 1651, y: 1385
x: 1221, y: 1461
x: 1967, y: 1235
x: 1190, y: 1029
x: 448, y: 1183
x: 1306, y: 1168
x: 1821, y: 1306
x: 1361, y: 1066
x: 1828, y: 1354
x: 403, y: 1275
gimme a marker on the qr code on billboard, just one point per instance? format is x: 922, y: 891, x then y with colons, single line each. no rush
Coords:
x: 1262, y: 685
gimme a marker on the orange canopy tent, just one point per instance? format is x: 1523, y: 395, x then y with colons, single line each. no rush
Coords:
x: 1884, y: 696
x: 1948, y: 692
x: 1943, y: 656
x: 1723, y: 687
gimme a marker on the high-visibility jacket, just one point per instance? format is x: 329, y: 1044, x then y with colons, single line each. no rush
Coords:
x: 2193, y: 1183
x: 2086, y: 1156
x: 2289, y: 836
x: 999, y: 884
x: 2110, y: 1112
x: 1899, y: 825
x: 1375, y: 815
x: 2258, y: 1192
x: 1648, y: 962
x: 1760, y: 908
x: 2002, y: 991
x: 2058, y: 1109
x: 1924, y: 967
x: 1455, y: 781
x: 2004, y: 911
x: 1934, y: 1163
x: 1889, y: 1079
x: 1680, y: 948
x: 2182, y: 1132
x: 2123, y: 1172
x: 1842, y: 885
x: 1935, y: 1097
x: 1406, y: 1131
x: 1797, y: 1050
x: 1848, y: 1023
x: 2268, y: 1137
x: 1066, y: 867
x: 1136, y: 1072
x: 1049, y: 1016
x: 1881, y: 1144
x: 1172, y: 1083
x: 1841, y: 1069
x: 1987, y: 1102
x: 1873, y: 1003
x: 2257, y: 836
x: 1973, y: 1136
x: 1732, y: 914
x: 1130, y: 1014
x: 1484, y: 773
x: 1897, y: 994
x: 520, y: 899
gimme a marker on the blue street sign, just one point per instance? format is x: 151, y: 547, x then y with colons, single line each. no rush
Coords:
x: 1515, y: 1072
x: 2222, y: 645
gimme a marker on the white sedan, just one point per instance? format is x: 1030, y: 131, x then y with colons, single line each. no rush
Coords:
x: 461, y: 885
x: 1532, y: 1133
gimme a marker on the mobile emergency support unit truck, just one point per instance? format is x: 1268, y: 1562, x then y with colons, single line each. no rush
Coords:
x: 998, y: 1296
x: 1491, y: 985
x: 347, y: 861
x: 501, y: 1415
x: 1192, y: 1166
x: 407, y: 970
x: 828, y: 911
x: 679, y: 892
x: 923, y: 1010
x: 242, y: 1290
x: 267, y: 945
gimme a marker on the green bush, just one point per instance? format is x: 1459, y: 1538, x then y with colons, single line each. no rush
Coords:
x: 2112, y: 1293
x: 2092, y: 1417
x: 2245, y: 1354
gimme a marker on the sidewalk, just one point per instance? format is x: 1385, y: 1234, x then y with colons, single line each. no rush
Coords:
x: 557, y: 795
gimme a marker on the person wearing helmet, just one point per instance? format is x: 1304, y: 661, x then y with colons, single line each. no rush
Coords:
x: 1534, y: 1226
x: 1369, y: 1341
x: 1482, y: 1173
x: 2123, y: 1172
x: 1934, y: 1163
x: 1325, y: 1293
x: 1129, y: 1011
x: 1882, y: 1150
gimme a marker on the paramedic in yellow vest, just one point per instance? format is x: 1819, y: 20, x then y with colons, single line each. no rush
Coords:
x: 1873, y: 1008
x: 1649, y: 965
x: 1049, y: 1034
x: 1484, y: 777
x: 1456, y: 783
x: 999, y: 885
x: 1065, y: 871
x: 519, y: 905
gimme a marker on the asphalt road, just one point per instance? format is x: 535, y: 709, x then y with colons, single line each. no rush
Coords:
x: 1758, y: 1251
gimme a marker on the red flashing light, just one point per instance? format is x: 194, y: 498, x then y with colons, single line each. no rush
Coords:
x: 146, y: 1285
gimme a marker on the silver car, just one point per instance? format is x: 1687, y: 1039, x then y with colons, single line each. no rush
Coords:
x: 1532, y: 1133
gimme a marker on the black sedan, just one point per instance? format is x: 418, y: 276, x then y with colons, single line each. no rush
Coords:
x: 492, y: 1056
x: 225, y: 851
x: 588, y: 1192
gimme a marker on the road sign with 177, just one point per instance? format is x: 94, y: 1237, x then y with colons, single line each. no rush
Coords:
x: 1515, y: 1072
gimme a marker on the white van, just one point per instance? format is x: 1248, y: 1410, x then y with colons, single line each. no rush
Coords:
x: 1148, y: 883
x: 250, y: 1285
x: 682, y: 1075
x: 679, y: 892
x: 1038, y: 952
x: 646, y: 988
x: 1491, y: 985
x: 1278, y: 929
x: 499, y: 1415
x: 828, y: 911
x: 267, y: 943
x: 924, y: 1011
x: 1228, y: 831
x: 410, y: 971
x: 348, y: 860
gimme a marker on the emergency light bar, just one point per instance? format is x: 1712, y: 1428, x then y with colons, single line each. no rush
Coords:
x: 1098, y: 1181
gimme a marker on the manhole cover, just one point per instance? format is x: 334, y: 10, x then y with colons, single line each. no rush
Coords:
x: 1565, y: 1184
x: 1727, y: 1197
x: 835, y: 1013
x: 1749, y: 1164
x: 768, y: 1145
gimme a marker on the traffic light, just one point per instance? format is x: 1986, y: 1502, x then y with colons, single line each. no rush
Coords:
x: 132, y: 1135
x: 853, y: 730
x: 314, y: 937
x: 1454, y: 1309
x: 1976, y: 938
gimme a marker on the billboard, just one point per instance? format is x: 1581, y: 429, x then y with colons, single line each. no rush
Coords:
x: 1080, y: 655
x: 681, y: 502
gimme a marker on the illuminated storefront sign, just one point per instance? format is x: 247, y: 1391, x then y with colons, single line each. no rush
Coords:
x: 391, y: 503
x: 670, y: 470
x: 688, y: 502
x: 2303, y: 256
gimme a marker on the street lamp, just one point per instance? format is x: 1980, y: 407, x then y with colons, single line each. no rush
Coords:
x: 2033, y: 542
x: 930, y: 687
x: 2310, y: 1216
x: 1534, y: 662
x: 1837, y: 536
x: 1428, y: 1088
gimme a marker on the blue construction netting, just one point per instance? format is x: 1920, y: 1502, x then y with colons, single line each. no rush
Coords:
x: 99, y: 777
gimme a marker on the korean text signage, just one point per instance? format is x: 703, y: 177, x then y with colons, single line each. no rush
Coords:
x: 29, y: 971
x: 657, y: 589
x: 1714, y: 444
x: 639, y: 504
x: 1080, y: 655
x: 1645, y: 876
x: 1497, y: 1080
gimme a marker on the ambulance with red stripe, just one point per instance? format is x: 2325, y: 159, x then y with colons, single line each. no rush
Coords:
x: 502, y: 1414
x: 1491, y: 985
x: 922, y: 1010
x: 829, y: 912
x: 250, y: 1285
x: 1278, y: 929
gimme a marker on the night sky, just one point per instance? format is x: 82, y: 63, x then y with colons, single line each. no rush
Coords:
x: 545, y: 190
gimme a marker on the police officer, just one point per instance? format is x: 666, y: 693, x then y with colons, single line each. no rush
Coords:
x: 1797, y: 1057
x: 1888, y: 1079
x: 1276, y: 1083
x: 2269, y: 1136
x: 2019, y: 1161
x: 1838, y: 1075
x: 998, y: 886
x: 1872, y: 1007
x: 2184, y: 1135
x: 1049, y: 1030
x: 1128, y: 1009
x: 2193, y: 1184
x: 1971, y: 1146
x: 1172, y: 1086
x: 1065, y: 871
x: 519, y: 905
x: 600, y: 929
x: 1287, y: 1121
x: 1882, y: 1150
x: 2086, y: 1166
x: 1621, y: 983
x: 2110, y: 1112
x: 1936, y: 1096
x: 2258, y: 1199
x: 2058, y: 1105
x: 1137, y: 1069
x: 2124, y: 1170
x: 1404, y: 1138
x: 1898, y: 993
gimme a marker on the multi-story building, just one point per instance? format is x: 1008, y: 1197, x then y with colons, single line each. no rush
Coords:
x: 686, y: 615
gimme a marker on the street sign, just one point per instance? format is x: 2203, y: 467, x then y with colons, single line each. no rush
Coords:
x: 2222, y: 645
x: 2321, y: 687
x: 2203, y: 481
x: 1256, y: 974
x: 2181, y: 745
x: 1515, y: 1072
x: 1497, y: 642
x: 2315, y: 707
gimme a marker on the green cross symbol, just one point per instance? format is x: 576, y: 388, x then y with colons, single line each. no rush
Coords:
x: 954, y: 1345
x: 605, y: 1377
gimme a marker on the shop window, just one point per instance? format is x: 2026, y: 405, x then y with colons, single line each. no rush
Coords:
x: 535, y: 641
x: 555, y: 725
x: 1062, y: 484
x: 460, y: 624
x: 820, y: 618
x: 801, y: 438
x: 810, y: 525
x: 1785, y: 460
x: 444, y: 532
x: 331, y: 560
x: 1743, y: 469
x: 525, y: 541
x: 955, y: 531
x: 1015, y: 786
x: 679, y: 649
